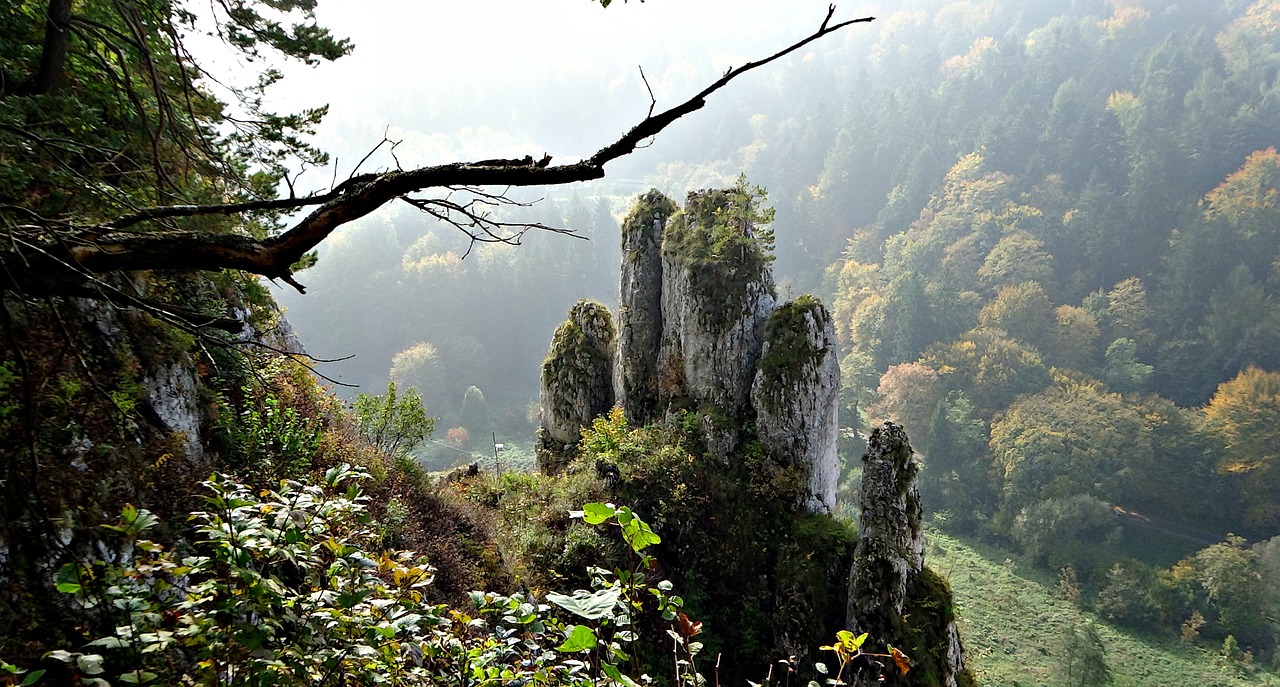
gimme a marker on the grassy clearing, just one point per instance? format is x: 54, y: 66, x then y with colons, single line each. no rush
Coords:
x: 1012, y: 624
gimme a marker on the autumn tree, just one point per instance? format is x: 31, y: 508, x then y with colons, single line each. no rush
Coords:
x: 855, y: 282
x: 1018, y: 257
x: 991, y: 367
x: 1024, y: 312
x: 907, y: 396
x: 1074, y: 338
x: 1073, y: 438
x: 1223, y: 582
x: 1245, y: 416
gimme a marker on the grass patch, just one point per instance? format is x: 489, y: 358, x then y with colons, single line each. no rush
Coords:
x: 1012, y: 628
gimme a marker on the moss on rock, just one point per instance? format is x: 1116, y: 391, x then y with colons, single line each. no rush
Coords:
x: 722, y: 239
x: 792, y: 352
x: 577, y: 381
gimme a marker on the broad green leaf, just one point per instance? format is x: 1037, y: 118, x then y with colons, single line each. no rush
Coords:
x: 33, y: 677
x: 589, y: 605
x: 618, y: 676
x: 89, y: 664
x: 597, y: 513
x: 582, y: 638
x: 637, y: 533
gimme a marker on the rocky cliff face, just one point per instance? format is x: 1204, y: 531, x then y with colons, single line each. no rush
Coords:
x: 892, y: 596
x: 717, y: 293
x: 577, y: 382
x: 795, y: 395
x: 640, y: 308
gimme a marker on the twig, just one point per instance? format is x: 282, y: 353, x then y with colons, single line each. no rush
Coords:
x: 653, y: 102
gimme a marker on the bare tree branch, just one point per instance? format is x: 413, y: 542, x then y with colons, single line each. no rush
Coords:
x: 43, y: 267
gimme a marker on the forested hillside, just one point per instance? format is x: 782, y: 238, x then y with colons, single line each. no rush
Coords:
x: 1069, y: 299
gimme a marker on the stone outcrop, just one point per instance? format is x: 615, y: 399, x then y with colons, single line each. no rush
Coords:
x: 640, y: 308
x: 172, y: 392
x: 892, y: 595
x: 717, y: 293
x: 695, y: 310
x: 698, y: 331
x: 796, y: 396
x: 890, y: 541
x: 577, y: 382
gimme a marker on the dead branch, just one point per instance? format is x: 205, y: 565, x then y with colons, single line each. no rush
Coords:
x: 52, y: 264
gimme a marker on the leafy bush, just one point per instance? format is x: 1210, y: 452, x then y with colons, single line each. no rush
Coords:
x: 269, y: 438
x: 283, y: 587
x: 394, y: 423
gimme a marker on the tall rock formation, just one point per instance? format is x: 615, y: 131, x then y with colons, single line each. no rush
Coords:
x: 890, y: 542
x: 717, y: 293
x: 698, y: 331
x: 635, y: 380
x: 892, y: 595
x: 577, y: 382
x: 796, y: 396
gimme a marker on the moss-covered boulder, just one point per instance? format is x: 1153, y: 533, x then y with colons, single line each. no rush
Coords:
x: 577, y: 381
x: 796, y: 396
x: 640, y: 307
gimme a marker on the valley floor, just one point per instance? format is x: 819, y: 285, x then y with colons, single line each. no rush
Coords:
x: 1012, y: 627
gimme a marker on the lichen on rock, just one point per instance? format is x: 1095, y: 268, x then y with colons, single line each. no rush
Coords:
x: 795, y: 395
x: 577, y: 381
x: 717, y: 293
x: 640, y: 307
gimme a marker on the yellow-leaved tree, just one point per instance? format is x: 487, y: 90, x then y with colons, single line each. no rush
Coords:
x: 1245, y: 415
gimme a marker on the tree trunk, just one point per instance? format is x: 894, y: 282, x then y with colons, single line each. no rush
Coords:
x: 54, y: 54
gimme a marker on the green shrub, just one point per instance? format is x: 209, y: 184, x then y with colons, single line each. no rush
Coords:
x: 269, y: 439
x: 285, y: 587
